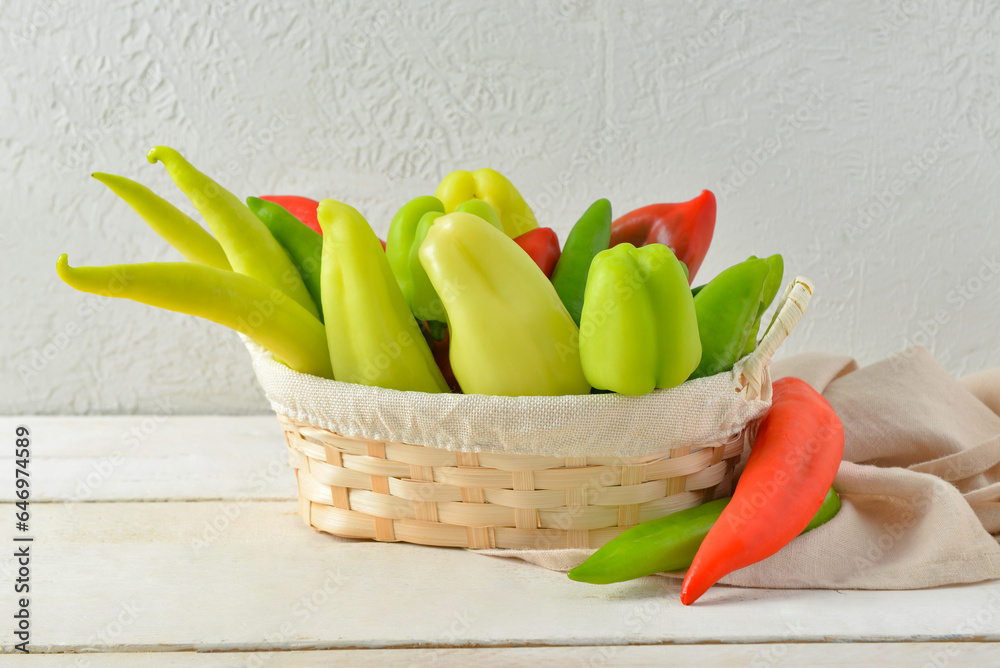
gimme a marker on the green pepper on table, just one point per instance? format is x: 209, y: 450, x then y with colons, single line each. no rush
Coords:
x: 667, y: 544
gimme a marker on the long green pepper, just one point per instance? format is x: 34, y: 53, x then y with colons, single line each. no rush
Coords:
x: 373, y: 337
x: 771, y: 286
x: 175, y: 227
x: 589, y: 236
x: 265, y: 314
x: 249, y: 246
x: 667, y: 544
x: 727, y: 307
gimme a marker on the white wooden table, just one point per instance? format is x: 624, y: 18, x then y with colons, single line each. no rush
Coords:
x: 178, y: 536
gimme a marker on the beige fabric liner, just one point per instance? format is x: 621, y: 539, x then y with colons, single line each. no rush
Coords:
x: 600, y: 425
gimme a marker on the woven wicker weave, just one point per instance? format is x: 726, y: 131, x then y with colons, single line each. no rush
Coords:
x: 411, y: 493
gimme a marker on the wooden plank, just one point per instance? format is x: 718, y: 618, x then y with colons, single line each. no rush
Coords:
x: 231, y: 576
x: 885, y: 655
x: 152, y: 457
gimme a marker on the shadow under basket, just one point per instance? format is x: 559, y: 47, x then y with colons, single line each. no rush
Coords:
x: 399, y: 492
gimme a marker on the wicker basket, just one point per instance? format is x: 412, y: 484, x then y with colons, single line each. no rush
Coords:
x: 416, y: 494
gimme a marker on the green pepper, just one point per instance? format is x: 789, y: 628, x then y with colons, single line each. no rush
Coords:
x: 484, y: 210
x: 406, y: 232
x: 667, y: 544
x: 175, y: 227
x: 493, y: 187
x: 399, y: 241
x: 638, y: 329
x: 590, y: 236
x: 303, y: 244
x: 373, y: 337
x: 727, y: 307
x: 771, y: 286
x: 510, y: 333
x: 249, y: 246
x: 265, y: 314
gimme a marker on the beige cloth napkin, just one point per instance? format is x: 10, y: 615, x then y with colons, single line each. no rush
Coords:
x: 920, y: 481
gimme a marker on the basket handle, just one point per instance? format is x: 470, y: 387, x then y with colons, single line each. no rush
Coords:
x: 793, y: 304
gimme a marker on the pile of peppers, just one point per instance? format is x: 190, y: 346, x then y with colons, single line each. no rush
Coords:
x: 469, y: 294
x: 466, y: 294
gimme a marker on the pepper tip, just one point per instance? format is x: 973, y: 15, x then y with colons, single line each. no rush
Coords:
x: 62, y: 264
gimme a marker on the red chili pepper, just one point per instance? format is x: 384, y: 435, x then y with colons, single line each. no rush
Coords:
x: 542, y: 244
x: 686, y: 227
x: 791, y: 466
x: 302, y: 208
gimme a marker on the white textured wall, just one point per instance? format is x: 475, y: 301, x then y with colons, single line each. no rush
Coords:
x: 797, y: 114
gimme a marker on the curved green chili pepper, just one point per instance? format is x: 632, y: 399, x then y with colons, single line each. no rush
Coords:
x: 304, y: 244
x: 265, y: 314
x: 667, y: 544
x: 771, y: 286
x: 176, y: 227
x: 249, y: 246
x: 727, y: 307
x: 373, y: 337
x: 589, y: 236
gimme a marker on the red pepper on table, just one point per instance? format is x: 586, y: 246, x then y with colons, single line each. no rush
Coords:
x: 302, y: 208
x: 685, y: 227
x: 542, y: 244
x: 791, y: 466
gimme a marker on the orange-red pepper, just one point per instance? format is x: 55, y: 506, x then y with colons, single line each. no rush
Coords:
x: 791, y: 466
x: 686, y: 227
x: 542, y: 244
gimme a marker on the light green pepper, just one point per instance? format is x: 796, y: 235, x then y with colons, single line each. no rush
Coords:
x: 373, y: 337
x: 510, y: 333
x: 638, y: 329
x: 176, y: 227
x: 265, y: 314
x: 249, y: 246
